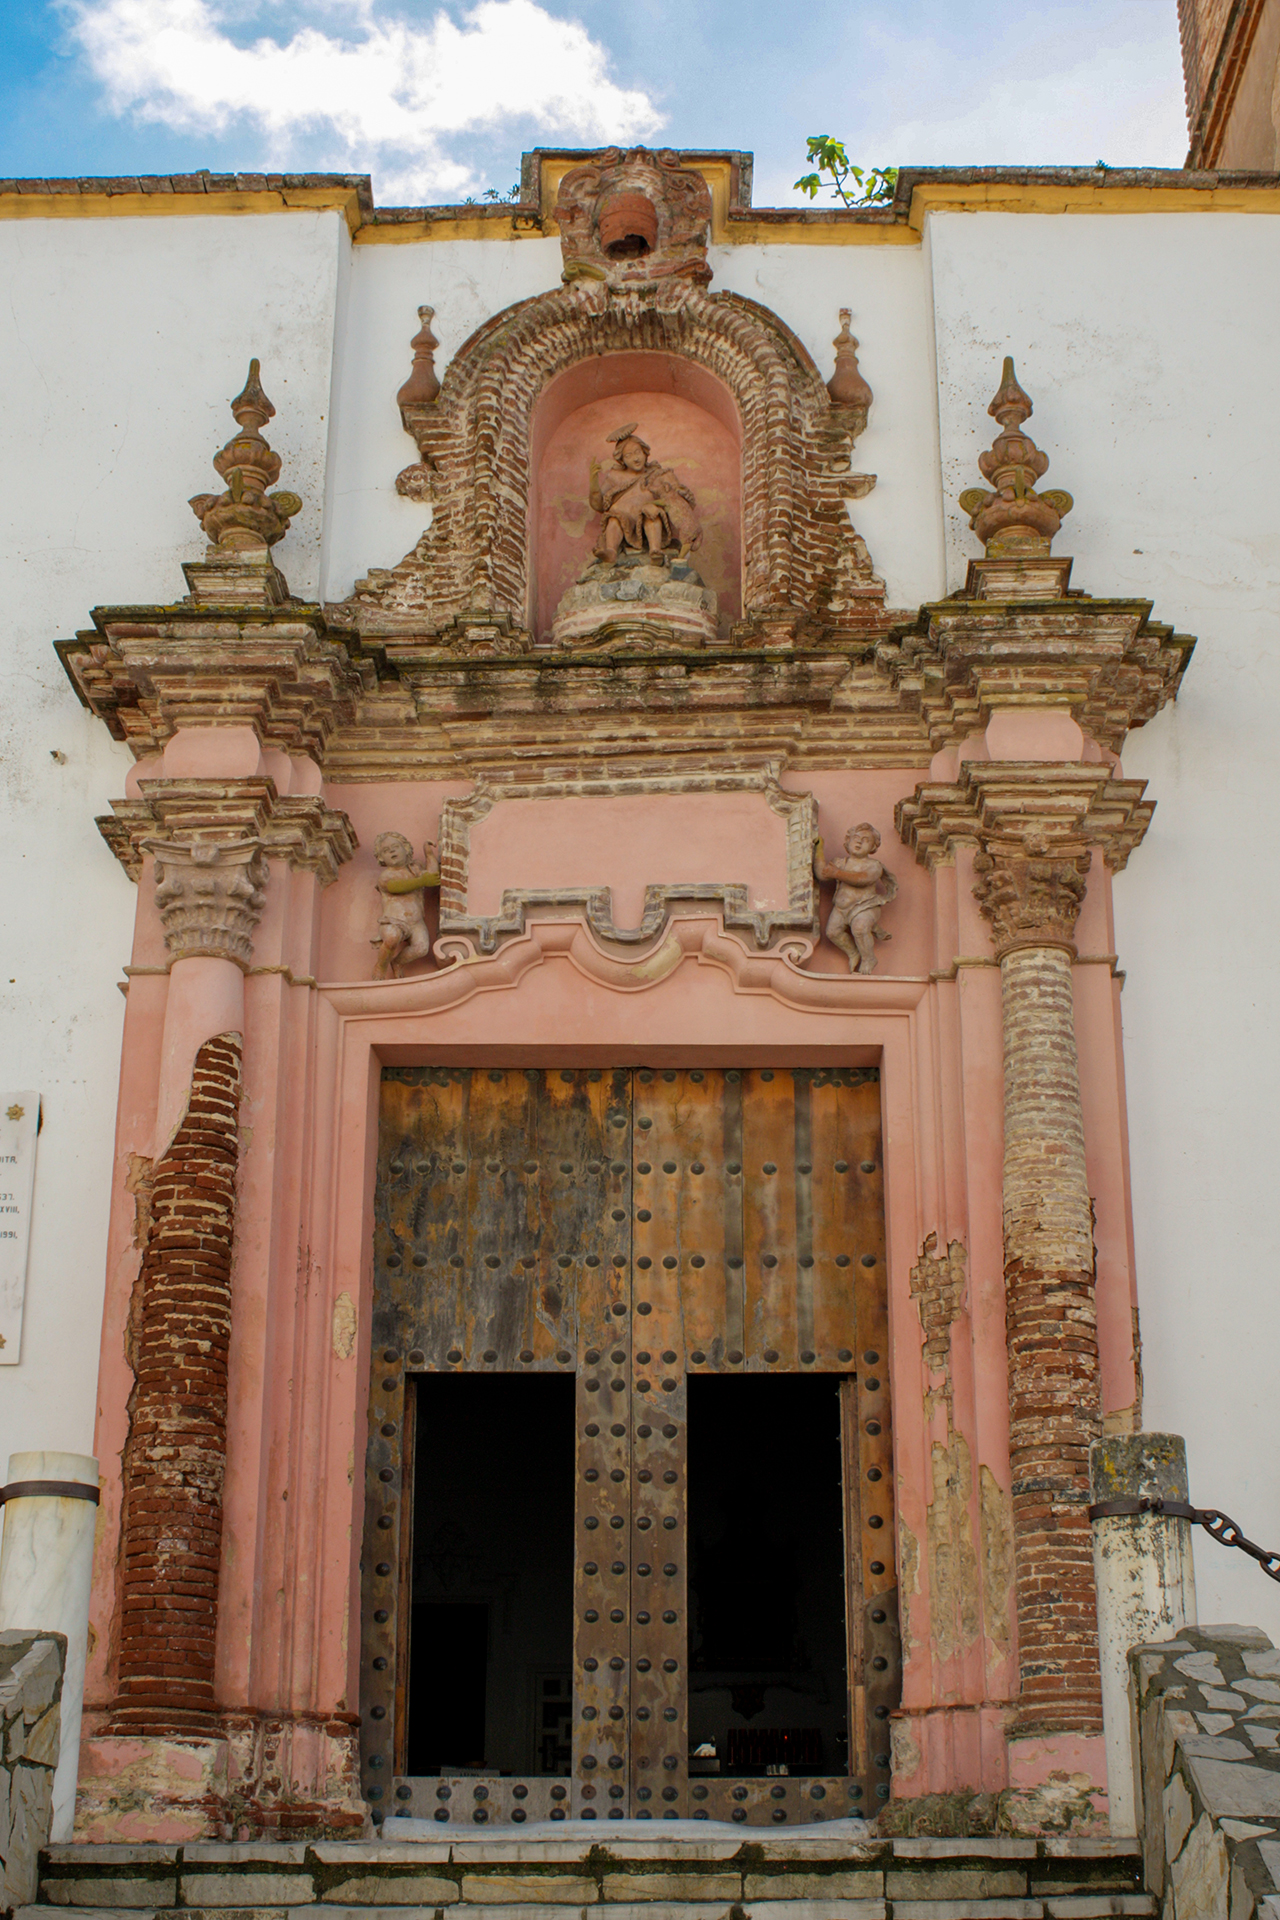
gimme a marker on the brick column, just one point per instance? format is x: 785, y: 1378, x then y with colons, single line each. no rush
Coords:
x: 1032, y: 895
x: 210, y: 892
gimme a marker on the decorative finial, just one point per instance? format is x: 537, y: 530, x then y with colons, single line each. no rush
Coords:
x: 1014, y: 519
x: 846, y: 385
x: 245, y: 519
x: 422, y: 387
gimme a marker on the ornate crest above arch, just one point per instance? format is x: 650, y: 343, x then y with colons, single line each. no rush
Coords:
x: 806, y: 575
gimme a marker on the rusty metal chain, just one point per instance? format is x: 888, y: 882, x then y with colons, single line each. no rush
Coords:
x: 1220, y: 1525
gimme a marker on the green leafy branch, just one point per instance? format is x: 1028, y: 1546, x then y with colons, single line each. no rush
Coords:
x: 855, y: 186
x: 492, y: 193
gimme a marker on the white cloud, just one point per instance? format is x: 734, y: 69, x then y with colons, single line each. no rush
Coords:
x: 1066, y: 83
x: 1112, y: 103
x: 387, y: 96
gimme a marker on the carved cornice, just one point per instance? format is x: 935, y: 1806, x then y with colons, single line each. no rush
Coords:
x: 299, y: 828
x: 478, y: 700
x: 210, y: 894
x: 1019, y: 809
x: 146, y: 671
x: 1105, y: 661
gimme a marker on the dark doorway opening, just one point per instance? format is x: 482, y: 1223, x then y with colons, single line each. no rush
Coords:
x: 767, y: 1630
x: 491, y: 1633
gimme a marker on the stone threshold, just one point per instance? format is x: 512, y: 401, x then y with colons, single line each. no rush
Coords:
x: 703, y: 1871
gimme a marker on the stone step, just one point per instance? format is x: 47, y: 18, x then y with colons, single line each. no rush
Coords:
x: 706, y: 1872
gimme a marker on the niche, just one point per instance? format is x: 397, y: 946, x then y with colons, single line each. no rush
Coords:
x: 691, y: 424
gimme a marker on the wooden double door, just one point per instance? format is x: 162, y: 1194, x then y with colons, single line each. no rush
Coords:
x: 718, y: 1558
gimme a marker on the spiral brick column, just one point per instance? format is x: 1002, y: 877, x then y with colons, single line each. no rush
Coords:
x: 1032, y: 897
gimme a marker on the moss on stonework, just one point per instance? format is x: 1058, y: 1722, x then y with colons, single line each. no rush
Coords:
x: 1062, y: 1805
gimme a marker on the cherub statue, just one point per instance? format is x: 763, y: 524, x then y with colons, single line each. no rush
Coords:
x: 402, y: 928
x: 643, y: 508
x: 863, y: 889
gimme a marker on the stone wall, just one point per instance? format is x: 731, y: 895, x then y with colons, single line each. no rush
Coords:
x: 1207, y: 1707
x: 31, y: 1666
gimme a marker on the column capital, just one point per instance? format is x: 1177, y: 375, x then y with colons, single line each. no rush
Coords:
x: 1026, y: 809
x: 300, y: 828
x: 1031, y: 898
x: 210, y: 894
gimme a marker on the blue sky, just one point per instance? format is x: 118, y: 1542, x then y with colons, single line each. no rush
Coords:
x: 437, y: 101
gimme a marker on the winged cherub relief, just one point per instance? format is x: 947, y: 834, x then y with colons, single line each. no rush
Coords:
x: 402, y: 934
x: 643, y: 508
x: 864, y: 888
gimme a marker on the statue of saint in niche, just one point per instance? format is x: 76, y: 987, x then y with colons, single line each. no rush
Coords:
x: 646, y: 511
x: 640, y: 580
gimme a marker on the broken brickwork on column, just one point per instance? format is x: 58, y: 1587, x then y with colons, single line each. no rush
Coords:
x: 1051, y: 1329
x: 176, y: 1453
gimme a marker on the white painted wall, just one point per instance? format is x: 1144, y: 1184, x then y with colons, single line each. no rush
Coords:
x: 121, y: 342
x: 466, y: 281
x: 888, y: 290
x: 1148, y: 345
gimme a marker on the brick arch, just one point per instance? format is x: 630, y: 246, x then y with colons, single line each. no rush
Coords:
x: 474, y: 440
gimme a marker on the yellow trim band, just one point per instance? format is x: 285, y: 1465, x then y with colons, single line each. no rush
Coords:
x: 821, y: 227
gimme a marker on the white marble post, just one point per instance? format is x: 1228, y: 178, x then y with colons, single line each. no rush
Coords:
x: 1146, y: 1586
x: 46, y: 1564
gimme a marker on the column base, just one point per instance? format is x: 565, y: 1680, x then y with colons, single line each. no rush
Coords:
x: 249, y: 1776
x: 963, y: 1771
x: 1058, y: 1783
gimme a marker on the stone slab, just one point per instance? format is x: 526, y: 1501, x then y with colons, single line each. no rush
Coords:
x: 816, y: 1910
x: 542, y: 1889
x: 244, y: 1853
x: 79, y: 1913
x: 114, y: 1890
x: 867, y: 1885
x: 520, y: 1849
x: 1236, y: 1786
x: 1070, y: 1846
x: 394, y: 1890
x: 326, y: 1911
x: 381, y: 1853
x: 813, y: 1846
x: 247, y: 1889
x: 957, y: 1883
x: 1258, y: 1689
x: 980, y: 1847
x: 672, y: 1886
x: 968, y: 1910
x: 1097, y: 1906
x: 1101, y: 1883
x: 693, y: 1910
x: 109, y: 1854
x: 222, y: 1913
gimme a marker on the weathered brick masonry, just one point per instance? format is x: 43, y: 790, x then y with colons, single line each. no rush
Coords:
x: 176, y: 1453
x: 1051, y: 1328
